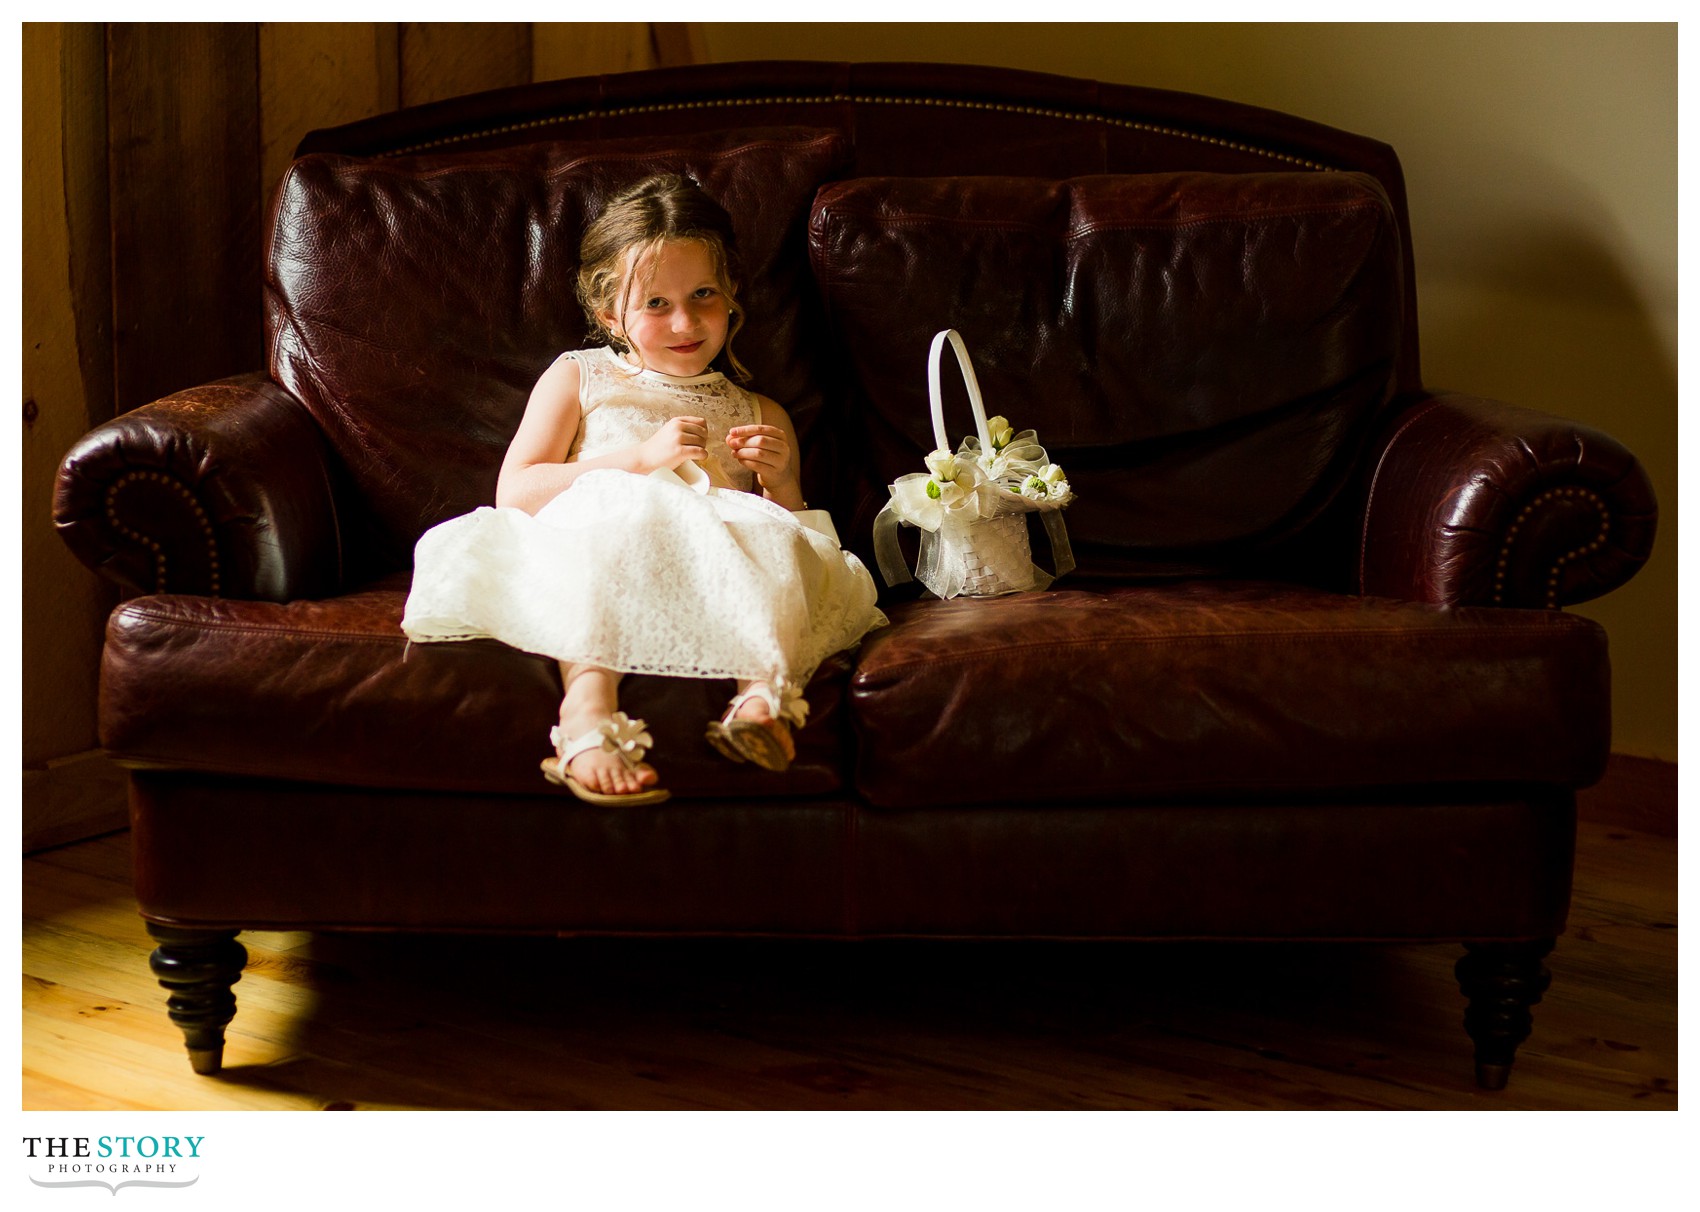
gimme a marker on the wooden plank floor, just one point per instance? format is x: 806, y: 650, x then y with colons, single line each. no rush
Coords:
x: 344, y: 1022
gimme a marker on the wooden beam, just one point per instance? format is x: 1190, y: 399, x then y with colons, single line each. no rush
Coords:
x: 564, y: 49
x: 677, y: 43
x: 183, y: 116
x: 88, y: 215
x: 66, y: 374
x: 314, y: 74
x: 449, y: 59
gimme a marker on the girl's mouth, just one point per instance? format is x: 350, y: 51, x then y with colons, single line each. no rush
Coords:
x: 686, y: 349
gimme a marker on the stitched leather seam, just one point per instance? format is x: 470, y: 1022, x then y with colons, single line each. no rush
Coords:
x: 141, y: 613
x: 840, y: 216
x: 979, y: 657
x: 158, y: 548
x: 840, y: 98
x: 1369, y: 501
x: 1513, y: 629
x: 1088, y: 229
x: 1230, y: 216
x: 356, y: 168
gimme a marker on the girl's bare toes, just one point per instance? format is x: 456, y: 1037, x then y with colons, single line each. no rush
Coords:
x: 591, y: 770
x: 606, y: 773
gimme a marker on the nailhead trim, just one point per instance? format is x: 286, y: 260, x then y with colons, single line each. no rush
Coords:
x: 1557, y: 572
x: 159, y: 477
x: 839, y: 98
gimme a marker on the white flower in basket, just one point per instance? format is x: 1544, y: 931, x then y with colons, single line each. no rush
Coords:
x: 970, y: 505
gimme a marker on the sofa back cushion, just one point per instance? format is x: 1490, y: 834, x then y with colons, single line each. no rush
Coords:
x: 1203, y: 353
x: 413, y: 301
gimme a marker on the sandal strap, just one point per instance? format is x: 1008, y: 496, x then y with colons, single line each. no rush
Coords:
x: 784, y: 699
x: 626, y: 738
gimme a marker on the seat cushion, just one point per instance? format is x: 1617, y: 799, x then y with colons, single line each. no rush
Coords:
x: 331, y: 692
x: 1220, y: 687
x: 1203, y: 352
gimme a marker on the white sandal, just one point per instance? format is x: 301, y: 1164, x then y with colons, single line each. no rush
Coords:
x: 758, y: 742
x: 627, y: 739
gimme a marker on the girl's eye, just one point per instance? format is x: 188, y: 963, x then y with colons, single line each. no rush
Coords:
x: 655, y: 303
x: 706, y: 292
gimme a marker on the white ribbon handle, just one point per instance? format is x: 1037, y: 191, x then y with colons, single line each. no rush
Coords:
x: 940, y: 438
x: 887, y: 554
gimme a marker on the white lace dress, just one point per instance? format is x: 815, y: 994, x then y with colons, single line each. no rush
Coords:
x: 642, y: 574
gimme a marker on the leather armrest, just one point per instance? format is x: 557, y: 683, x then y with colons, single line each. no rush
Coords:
x: 1474, y: 502
x: 221, y: 490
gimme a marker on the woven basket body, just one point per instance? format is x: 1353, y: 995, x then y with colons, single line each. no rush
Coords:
x: 983, y: 558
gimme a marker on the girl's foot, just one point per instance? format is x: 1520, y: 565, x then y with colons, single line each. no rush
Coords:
x: 755, y: 709
x: 613, y: 765
x: 756, y: 726
x: 602, y: 749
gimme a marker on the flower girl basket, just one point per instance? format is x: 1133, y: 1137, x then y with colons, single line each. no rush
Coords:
x: 971, y: 508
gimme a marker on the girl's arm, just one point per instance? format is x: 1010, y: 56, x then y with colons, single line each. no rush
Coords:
x: 770, y: 450
x: 534, y: 471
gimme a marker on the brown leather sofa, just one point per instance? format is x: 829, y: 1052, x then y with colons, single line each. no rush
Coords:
x: 1309, y: 681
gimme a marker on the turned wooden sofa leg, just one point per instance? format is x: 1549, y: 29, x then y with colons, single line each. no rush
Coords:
x: 1502, y: 981
x: 199, y: 967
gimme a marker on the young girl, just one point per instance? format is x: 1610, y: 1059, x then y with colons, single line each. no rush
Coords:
x: 643, y: 519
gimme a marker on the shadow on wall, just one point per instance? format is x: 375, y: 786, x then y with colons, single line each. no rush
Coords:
x: 1548, y: 319
x: 1528, y: 230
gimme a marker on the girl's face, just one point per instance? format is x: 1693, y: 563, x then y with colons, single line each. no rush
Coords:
x: 676, y: 315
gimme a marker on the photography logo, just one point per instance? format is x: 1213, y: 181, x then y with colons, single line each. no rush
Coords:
x: 113, y: 1162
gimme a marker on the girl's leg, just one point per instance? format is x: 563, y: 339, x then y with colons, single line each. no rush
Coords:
x: 592, y: 694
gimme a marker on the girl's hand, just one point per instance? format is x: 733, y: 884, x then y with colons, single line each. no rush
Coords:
x: 764, y: 449
x: 680, y: 440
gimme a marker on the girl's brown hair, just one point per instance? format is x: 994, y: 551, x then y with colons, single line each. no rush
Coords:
x: 643, y: 218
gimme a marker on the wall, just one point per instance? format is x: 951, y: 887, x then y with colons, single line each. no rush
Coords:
x: 1540, y: 161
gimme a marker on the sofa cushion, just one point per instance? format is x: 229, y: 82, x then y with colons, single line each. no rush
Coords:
x: 331, y: 692
x: 1202, y: 352
x: 1209, y: 688
x: 412, y: 302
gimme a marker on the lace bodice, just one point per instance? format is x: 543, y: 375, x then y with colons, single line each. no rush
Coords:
x: 623, y: 406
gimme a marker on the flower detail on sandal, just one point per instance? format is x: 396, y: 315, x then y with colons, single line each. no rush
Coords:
x: 786, y: 702
x: 625, y: 738
x: 618, y: 733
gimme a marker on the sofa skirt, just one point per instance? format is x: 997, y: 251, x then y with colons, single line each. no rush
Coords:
x: 1477, y: 863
